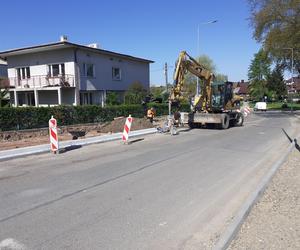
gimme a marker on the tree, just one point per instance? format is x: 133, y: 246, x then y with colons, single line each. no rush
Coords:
x: 258, y: 74
x: 191, y: 80
x: 207, y: 63
x: 157, y: 92
x: 135, y: 94
x: 3, y: 92
x: 275, y: 83
x: 276, y: 25
x: 221, y: 78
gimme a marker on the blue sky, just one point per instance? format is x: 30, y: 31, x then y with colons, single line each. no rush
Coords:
x: 156, y: 30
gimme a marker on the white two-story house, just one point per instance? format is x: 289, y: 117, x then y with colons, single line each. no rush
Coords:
x: 70, y: 74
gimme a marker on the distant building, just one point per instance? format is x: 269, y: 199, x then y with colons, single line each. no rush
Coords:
x: 69, y: 73
x: 242, y: 88
x: 293, y: 85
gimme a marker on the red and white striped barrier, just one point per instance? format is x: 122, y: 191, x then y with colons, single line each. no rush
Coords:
x: 246, y: 111
x: 53, y: 135
x: 126, y: 130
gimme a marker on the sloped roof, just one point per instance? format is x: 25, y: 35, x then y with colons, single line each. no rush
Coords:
x: 243, y: 87
x: 66, y: 44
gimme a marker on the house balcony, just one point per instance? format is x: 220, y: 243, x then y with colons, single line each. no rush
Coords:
x: 42, y: 81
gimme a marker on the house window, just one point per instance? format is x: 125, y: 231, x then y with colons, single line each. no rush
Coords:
x: 56, y: 69
x: 89, y: 70
x: 86, y: 98
x: 23, y: 73
x: 116, y: 74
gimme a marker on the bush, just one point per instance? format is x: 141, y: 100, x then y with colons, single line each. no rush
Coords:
x: 112, y: 98
x: 32, y: 117
x: 135, y: 94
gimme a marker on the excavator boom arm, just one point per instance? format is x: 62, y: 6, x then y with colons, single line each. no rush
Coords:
x: 186, y: 64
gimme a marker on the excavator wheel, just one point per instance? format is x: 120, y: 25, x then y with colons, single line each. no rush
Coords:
x: 225, y: 122
x: 191, y: 125
x: 239, y: 120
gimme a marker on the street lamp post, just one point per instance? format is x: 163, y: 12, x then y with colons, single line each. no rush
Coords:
x: 292, y: 49
x: 198, y: 48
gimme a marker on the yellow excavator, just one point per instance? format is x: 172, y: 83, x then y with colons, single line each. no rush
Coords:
x: 217, y: 102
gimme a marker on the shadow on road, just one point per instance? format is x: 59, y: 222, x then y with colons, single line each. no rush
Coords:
x: 136, y: 140
x: 184, y: 130
x: 69, y: 148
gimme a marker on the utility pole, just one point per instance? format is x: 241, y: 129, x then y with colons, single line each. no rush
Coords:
x: 166, y: 75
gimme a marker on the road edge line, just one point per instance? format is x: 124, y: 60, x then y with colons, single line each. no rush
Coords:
x: 234, y: 227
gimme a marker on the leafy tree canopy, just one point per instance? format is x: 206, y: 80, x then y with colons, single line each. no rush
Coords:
x: 260, y: 66
x: 275, y: 83
x: 276, y: 24
x: 258, y: 74
x: 4, y: 92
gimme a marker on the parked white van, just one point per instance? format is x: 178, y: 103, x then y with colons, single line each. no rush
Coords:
x: 262, y: 106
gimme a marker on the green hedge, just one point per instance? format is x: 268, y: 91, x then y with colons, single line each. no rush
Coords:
x: 32, y: 117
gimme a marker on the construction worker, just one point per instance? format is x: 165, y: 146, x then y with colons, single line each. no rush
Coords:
x: 151, y: 114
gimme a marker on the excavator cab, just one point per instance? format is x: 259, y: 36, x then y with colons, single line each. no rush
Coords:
x: 222, y: 96
x: 218, y: 97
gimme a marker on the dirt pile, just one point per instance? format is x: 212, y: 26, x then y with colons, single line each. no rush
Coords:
x: 24, y: 138
x: 117, y: 125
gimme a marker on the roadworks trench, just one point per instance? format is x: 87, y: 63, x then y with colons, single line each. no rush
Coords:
x: 32, y: 137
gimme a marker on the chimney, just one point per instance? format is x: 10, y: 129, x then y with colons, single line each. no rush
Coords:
x: 93, y: 45
x: 63, y: 38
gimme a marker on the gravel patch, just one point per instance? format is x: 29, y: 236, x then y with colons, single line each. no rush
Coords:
x: 274, y: 222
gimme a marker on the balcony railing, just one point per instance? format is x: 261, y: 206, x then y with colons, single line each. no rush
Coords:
x: 43, y: 81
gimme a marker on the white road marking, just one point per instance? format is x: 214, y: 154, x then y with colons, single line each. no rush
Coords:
x: 11, y: 244
x: 163, y: 224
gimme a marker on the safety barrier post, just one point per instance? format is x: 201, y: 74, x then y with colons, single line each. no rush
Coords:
x: 54, y: 147
x: 126, y: 130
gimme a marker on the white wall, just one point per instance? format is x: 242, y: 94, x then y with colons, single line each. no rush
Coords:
x: 39, y: 62
x: 132, y: 71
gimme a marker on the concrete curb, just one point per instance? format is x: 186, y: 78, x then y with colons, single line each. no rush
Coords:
x: 20, y: 152
x: 233, y: 229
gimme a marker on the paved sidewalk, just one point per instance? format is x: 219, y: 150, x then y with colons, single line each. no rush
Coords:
x: 274, y: 222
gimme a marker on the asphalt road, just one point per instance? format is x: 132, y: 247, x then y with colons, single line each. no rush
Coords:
x: 163, y: 192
